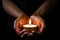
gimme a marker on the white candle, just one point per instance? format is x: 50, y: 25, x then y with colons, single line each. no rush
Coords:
x: 29, y: 25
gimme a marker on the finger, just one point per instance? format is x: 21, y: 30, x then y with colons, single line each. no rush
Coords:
x: 22, y: 31
x: 15, y: 24
x: 23, y: 34
x: 41, y: 30
x: 42, y: 26
x: 16, y: 27
x: 31, y: 33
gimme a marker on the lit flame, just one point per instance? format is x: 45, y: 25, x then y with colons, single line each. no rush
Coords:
x: 29, y: 21
x: 29, y: 25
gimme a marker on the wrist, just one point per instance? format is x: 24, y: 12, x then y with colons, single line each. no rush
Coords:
x: 21, y: 15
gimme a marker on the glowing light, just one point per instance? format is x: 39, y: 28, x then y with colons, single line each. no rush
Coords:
x: 29, y: 25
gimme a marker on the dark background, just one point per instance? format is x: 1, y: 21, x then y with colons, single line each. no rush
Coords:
x: 29, y: 6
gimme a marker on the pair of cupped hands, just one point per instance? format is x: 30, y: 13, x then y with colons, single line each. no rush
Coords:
x: 36, y: 19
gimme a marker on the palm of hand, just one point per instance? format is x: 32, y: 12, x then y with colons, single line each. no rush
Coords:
x: 19, y: 22
x: 24, y: 20
x: 39, y: 22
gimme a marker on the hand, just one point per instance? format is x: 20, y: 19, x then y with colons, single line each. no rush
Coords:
x: 18, y: 25
x: 37, y: 20
x: 19, y: 28
x: 24, y: 20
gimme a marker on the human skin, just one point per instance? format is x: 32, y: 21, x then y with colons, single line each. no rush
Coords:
x: 44, y: 9
x: 14, y: 11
